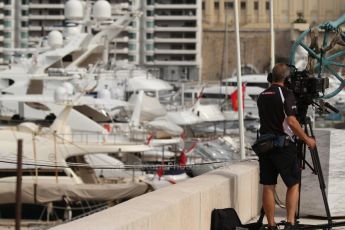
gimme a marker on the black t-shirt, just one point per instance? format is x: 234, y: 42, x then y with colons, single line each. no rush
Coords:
x: 273, y: 111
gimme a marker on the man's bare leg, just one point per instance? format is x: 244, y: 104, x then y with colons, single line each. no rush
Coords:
x: 269, y: 203
x: 292, y: 195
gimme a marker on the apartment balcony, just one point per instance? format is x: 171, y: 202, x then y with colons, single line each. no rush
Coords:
x: 35, y: 28
x: 1, y: 38
x: 7, y: 7
x: 121, y: 39
x: 175, y: 6
x: 8, y: 18
x: 1, y: 16
x: 46, y: 6
x: 176, y: 17
x: 45, y: 28
x: 176, y: 29
x: 119, y: 6
x: 174, y: 40
x: 175, y: 51
x: 119, y: 51
x: 172, y: 62
x: 24, y: 29
x: 131, y: 29
x: 35, y: 39
x: 24, y: 7
x: 46, y: 17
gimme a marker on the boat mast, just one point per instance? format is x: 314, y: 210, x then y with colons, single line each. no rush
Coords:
x: 239, y: 83
x: 224, y: 67
x: 272, y: 35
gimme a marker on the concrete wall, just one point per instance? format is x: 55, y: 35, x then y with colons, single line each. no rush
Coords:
x: 255, y: 50
x: 186, y: 205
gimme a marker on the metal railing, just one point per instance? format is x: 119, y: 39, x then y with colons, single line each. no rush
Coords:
x: 100, y: 138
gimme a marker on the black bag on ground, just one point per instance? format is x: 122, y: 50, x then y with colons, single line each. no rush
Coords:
x: 264, y: 143
x: 227, y: 219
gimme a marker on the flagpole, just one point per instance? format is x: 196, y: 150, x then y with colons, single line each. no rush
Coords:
x: 239, y: 83
x: 272, y: 35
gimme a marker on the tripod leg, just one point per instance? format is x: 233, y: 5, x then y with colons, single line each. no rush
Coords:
x: 318, y: 170
x: 300, y: 149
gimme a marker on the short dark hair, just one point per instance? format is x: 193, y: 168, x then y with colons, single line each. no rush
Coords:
x: 280, y: 72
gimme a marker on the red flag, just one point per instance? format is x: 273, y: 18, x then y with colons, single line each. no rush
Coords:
x: 234, y: 97
x: 149, y: 138
x: 183, y: 159
x: 107, y: 127
x: 160, y: 172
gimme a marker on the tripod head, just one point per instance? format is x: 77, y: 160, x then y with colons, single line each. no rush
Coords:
x: 308, y: 90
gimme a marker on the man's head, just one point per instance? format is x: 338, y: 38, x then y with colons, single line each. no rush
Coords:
x: 280, y: 72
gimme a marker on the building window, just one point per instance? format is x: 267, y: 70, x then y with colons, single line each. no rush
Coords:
x: 267, y: 5
x: 7, y: 34
x: 203, y: 5
x: 229, y: 5
x: 216, y: 5
x: 149, y: 58
x: 256, y: 5
x: 24, y: 34
x: 7, y: 13
x: 149, y: 13
x: 132, y: 35
x: 132, y: 46
x: 243, y: 5
x: 25, y: 2
x: 54, y: 12
x: 149, y: 47
x: 133, y: 24
x: 7, y: 23
x: 150, y: 2
x: 7, y: 2
x: 149, y: 36
x: 24, y: 13
x: 149, y: 24
x: 24, y: 24
x: 131, y: 58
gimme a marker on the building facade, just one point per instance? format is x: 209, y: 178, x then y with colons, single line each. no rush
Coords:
x: 167, y: 37
x: 254, y: 30
x: 255, y: 13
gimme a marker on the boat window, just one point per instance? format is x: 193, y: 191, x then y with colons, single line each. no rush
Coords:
x: 150, y: 93
x: 257, y: 84
x: 31, y: 172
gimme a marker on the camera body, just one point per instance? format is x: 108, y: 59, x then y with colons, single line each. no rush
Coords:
x: 306, y: 87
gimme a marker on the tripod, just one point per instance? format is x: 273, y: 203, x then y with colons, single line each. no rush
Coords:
x: 315, y: 168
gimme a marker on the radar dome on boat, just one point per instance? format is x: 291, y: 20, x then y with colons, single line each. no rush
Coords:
x: 74, y: 10
x: 69, y: 88
x: 60, y: 94
x: 102, y: 10
x: 55, y: 39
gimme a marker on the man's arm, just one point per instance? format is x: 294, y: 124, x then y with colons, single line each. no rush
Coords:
x: 298, y: 131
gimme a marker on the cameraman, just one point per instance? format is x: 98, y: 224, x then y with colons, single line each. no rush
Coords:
x: 277, y: 112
